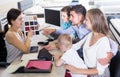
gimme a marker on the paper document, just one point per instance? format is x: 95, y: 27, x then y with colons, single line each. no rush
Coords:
x: 30, y: 56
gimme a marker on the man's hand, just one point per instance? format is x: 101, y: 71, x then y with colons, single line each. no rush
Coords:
x: 48, y: 31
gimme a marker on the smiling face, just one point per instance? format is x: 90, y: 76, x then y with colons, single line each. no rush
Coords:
x: 19, y: 21
x: 76, y: 18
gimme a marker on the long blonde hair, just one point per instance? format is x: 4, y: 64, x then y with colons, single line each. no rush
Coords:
x: 98, y: 21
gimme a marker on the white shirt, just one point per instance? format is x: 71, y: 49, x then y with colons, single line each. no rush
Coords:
x: 71, y: 57
x: 94, y: 52
x: 114, y: 46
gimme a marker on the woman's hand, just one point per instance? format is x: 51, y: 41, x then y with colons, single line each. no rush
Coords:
x: 72, y: 69
x: 106, y: 60
x: 30, y: 33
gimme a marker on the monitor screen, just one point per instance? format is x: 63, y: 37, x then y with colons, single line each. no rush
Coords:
x: 52, y: 17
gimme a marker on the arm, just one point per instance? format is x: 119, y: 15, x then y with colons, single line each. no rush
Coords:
x: 13, y: 40
x: 58, y: 60
x: 48, y: 31
x: 70, y: 30
x: 114, y: 49
x: 104, y: 61
x: 73, y: 69
x: 52, y: 45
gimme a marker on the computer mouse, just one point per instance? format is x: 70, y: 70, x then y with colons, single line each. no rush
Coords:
x: 49, y: 40
x: 43, y: 43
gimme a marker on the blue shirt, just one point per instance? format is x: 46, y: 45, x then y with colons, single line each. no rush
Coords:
x: 66, y: 25
x: 80, y: 31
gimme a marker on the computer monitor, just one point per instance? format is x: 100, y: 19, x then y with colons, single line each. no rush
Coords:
x: 52, y: 16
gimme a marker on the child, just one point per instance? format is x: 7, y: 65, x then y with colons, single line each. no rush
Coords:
x: 70, y: 56
x: 65, y: 15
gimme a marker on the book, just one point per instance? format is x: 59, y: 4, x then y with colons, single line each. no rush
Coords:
x: 44, y: 54
x: 29, y: 56
x: 38, y: 66
x: 31, y: 66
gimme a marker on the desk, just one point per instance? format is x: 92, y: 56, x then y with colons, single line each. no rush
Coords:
x: 56, y: 71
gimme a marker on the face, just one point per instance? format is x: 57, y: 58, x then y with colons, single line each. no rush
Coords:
x: 75, y: 18
x: 64, y: 16
x: 88, y: 23
x: 64, y: 45
x: 19, y: 21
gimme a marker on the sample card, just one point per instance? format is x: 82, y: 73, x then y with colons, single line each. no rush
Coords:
x: 31, y: 23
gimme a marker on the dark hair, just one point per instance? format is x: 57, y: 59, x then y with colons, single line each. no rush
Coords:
x: 66, y: 9
x: 79, y: 9
x: 12, y: 15
x: 98, y: 21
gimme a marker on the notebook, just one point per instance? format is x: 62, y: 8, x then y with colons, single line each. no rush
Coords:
x: 44, y: 54
x: 38, y: 66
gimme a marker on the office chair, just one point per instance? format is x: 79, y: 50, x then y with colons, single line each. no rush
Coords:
x: 3, y: 50
x: 115, y: 66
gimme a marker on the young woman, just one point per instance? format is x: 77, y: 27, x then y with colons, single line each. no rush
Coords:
x: 15, y: 41
x: 96, y: 45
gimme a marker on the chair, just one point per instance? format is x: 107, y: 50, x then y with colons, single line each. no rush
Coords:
x: 115, y: 66
x: 3, y: 51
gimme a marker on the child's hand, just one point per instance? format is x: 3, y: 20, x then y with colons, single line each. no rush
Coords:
x: 50, y: 46
x: 104, y: 61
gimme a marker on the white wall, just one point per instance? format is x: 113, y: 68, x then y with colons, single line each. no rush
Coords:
x: 5, y: 5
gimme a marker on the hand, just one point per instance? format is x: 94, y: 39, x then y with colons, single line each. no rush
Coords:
x: 72, y: 69
x: 30, y: 33
x: 50, y: 46
x: 48, y: 31
x: 38, y: 25
x: 104, y: 61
